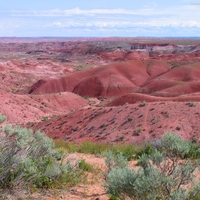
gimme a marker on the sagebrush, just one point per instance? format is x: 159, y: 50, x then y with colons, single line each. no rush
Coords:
x: 164, y: 174
x: 28, y: 159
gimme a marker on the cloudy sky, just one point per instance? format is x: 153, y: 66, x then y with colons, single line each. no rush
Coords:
x: 100, y: 18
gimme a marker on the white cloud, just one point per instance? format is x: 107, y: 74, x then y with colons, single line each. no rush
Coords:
x: 145, y: 11
x: 78, y: 11
x: 125, y: 24
x: 143, y: 20
x: 177, y: 16
x: 61, y: 13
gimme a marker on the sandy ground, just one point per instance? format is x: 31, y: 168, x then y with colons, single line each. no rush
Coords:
x: 91, y: 189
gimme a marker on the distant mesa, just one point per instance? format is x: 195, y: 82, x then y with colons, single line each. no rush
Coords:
x: 163, y: 48
x: 148, y: 46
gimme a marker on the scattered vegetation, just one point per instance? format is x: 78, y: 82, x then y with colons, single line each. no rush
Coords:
x: 153, y: 120
x: 128, y: 119
x: 86, y: 97
x: 137, y: 132
x: 190, y: 103
x: 142, y: 104
x: 127, y: 150
x: 165, y: 114
x: 83, y: 66
x: 79, y: 68
x: 165, y: 173
x: 2, y: 118
x: 178, y: 128
x: 28, y: 160
x: 174, y: 65
x: 85, y: 166
x: 45, y: 118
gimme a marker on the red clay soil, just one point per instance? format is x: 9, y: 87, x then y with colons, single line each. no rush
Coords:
x: 122, y: 55
x: 160, y: 78
x: 132, y: 98
x: 35, y: 67
x: 26, y: 108
x: 179, y: 57
x: 177, y: 81
x: 145, y: 76
x: 112, y: 80
x: 129, y: 123
x: 185, y: 73
x: 180, y: 89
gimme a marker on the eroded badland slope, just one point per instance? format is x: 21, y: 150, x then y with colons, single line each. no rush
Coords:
x: 104, y: 90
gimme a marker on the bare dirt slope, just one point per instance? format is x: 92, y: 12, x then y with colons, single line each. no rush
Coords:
x: 112, y: 80
x: 29, y: 108
x: 130, y: 123
x: 142, y: 88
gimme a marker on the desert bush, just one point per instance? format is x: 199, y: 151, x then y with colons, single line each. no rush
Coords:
x: 143, y: 149
x: 2, y: 118
x: 194, y: 151
x: 115, y: 160
x: 164, y: 174
x: 28, y: 159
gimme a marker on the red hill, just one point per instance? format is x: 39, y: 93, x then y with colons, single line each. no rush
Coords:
x: 111, y: 80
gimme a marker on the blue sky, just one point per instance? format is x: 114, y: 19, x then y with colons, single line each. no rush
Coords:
x: 99, y: 18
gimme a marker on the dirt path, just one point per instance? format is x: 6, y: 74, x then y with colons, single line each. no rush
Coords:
x: 93, y: 189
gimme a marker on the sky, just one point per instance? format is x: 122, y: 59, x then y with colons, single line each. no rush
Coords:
x: 100, y: 18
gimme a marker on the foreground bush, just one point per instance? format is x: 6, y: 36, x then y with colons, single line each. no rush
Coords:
x: 28, y: 160
x: 163, y: 174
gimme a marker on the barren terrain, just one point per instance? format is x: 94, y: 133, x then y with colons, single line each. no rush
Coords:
x: 121, y: 90
x: 104, y: 90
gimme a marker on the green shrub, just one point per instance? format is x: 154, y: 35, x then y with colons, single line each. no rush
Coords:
x: 172, y: 146
x: 69, y: 147
x: 163, y: 174
x: 194, y: 151
x: 190, y: 103
x: 28, y: 159
x: 115, y: 160
x: 143, y: 149
x: 85, y: 166
x: 2, y: 118
x: 127, y: 150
